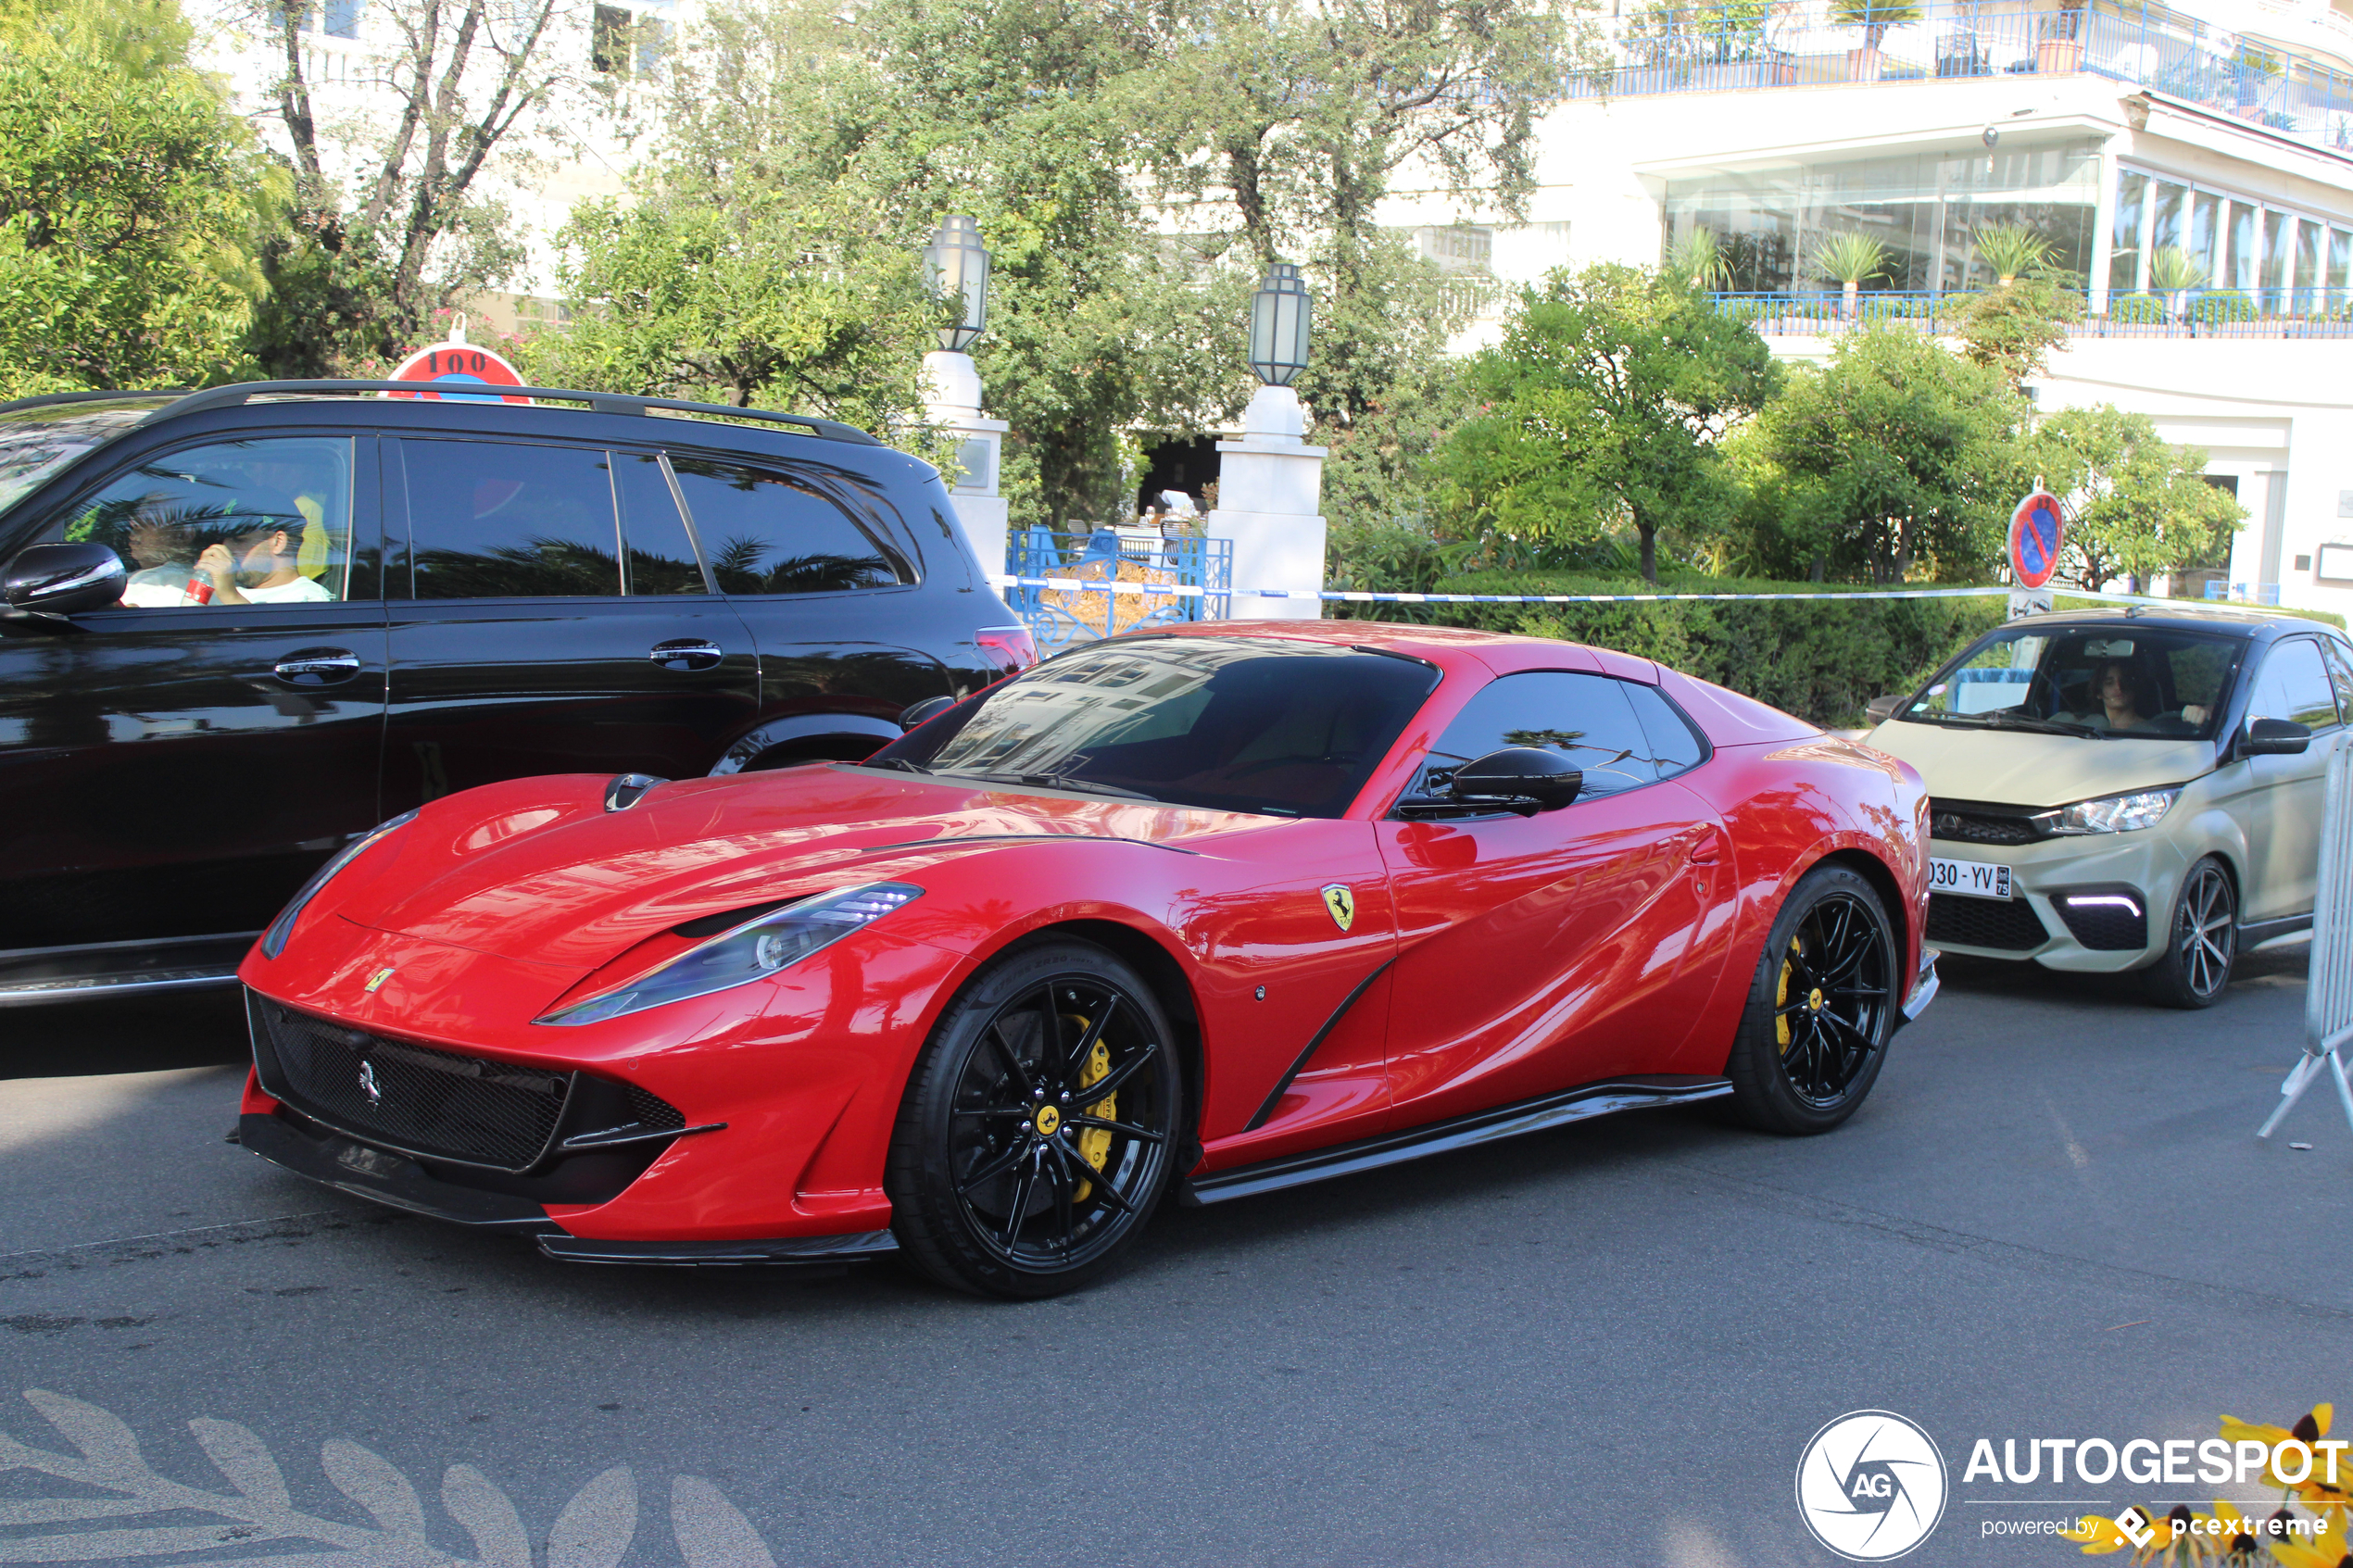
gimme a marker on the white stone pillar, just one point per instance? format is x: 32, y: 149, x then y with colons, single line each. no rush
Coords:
x: 1270, y: 486
x: 952, y: 399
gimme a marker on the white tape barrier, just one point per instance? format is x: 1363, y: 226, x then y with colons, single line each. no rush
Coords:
x: 2328, y: 991
x: 1350, y: 596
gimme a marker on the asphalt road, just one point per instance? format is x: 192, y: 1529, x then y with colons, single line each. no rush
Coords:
x: 1607, y: 1344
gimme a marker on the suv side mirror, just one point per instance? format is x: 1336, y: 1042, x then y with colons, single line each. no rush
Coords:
x: 1880, y: 710
x: 1525, y: 779
x: 2274, y: 737
x: 930, y: 708
x: 63, y: 579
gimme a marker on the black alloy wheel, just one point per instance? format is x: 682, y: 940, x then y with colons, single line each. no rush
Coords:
x: 1040, y: 1125
x: 2201, y: 943
x: 1822, y: 1008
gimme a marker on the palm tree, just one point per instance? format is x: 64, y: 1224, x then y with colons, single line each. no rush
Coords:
x: 2176, y: 272
x: 2009, y: 249
x: 1699, y: 260
x: 1874, y: 16
x: 1849, y: 257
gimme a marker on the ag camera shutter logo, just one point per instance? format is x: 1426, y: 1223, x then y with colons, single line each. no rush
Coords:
x: 1870, y: 1485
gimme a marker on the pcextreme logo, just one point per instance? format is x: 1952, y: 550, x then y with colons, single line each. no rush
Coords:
x: 1870, y: 1485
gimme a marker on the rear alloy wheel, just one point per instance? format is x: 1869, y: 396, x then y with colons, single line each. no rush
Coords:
x: 1820, y: 1010
x: 1039, y: 1127
x: 2202, y: 943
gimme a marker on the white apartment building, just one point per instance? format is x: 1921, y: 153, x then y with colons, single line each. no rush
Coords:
x: 2120, y: 134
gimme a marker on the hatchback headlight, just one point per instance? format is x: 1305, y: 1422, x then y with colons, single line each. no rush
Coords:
x: 2111, y: 814
x: 751, y: 951
x: 273, y: 941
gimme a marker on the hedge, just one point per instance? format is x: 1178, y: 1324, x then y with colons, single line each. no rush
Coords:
x: 1819, y: 659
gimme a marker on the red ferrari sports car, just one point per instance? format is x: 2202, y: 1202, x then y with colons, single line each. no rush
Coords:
x: 1219, y: 911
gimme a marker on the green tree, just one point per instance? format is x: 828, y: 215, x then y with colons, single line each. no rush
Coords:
x: 1897, y: 454
x: 2014, y: 326
x: 1607, y: 399
x: 2137, y: 506
x: 130, y: 201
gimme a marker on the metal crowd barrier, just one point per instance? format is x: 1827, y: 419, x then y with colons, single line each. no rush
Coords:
x: 2328, y: 993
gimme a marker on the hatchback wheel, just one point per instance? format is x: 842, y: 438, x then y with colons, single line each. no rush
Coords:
x: 1038, y: 1129
x: 2202, y: 943
x: 1820, y: 1008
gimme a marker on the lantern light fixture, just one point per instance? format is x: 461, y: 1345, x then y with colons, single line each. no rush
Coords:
x: 1279, y: 322
x: 956, y: 267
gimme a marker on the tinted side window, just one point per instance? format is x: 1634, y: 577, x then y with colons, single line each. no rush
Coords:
x: 504, y: 520
x: 2294, y: 684
x: 2341, y: 671
x: 661, y: 558
x: 279, y: 505
x: 1674, y: 745
x: 762, y: 533
x: 1587, y: 717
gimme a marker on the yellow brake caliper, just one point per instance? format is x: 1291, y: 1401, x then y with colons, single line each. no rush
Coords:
x: 1780, y: 999
x: 1094, y: 1144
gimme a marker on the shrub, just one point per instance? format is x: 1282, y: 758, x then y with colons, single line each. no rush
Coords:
x: 2223, y: 305
x: 2136, y: 309
x: 1820, y: 660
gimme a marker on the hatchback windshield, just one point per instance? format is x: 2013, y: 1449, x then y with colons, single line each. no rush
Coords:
x: 2113, y: 679
x: 36, y: 443
x: 1233, y: 723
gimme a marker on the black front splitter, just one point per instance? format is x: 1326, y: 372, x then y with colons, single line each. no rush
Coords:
x: 380, y: 1177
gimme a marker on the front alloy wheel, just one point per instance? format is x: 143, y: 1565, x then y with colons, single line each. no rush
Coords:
x: 2202, y: 942
x: 1038, y: 1130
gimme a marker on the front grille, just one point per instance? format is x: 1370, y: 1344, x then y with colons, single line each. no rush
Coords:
x: 1968, y: 822
x: 2007, y: 925
x: 434, y: 1103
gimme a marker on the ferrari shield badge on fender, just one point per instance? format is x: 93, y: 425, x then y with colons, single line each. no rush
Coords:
x: 1342, y: 905
x: 375, y: 979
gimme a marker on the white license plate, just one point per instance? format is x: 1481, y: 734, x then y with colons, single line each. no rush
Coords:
x: 1971, y: 879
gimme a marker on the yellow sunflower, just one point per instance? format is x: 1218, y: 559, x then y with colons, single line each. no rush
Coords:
x: 2326, y: 1548
x: 2315, y: 1491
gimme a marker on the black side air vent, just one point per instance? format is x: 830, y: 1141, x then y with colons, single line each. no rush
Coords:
x: 727, y: 920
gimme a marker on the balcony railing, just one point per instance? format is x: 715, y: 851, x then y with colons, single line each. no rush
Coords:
x: 1724, y: 46
x: 1059, y: 616
x: 2210, y: 313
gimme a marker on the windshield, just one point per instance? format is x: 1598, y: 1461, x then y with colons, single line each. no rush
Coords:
x: 2110, y: 681
x: 1231, y: 723
x: 36, y: 443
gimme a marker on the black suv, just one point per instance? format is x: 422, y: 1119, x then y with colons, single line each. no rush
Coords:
x: 242, y: 626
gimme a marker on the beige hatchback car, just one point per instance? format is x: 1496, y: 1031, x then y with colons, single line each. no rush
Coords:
x: 2135, y: 789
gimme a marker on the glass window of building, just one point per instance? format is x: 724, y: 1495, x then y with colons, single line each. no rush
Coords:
x: 2165, y: 217
x: 2124, y: 246
x: 2341, y: 260
x: 2279, y: 235
x: 2205, y: 225
x: 2237, y: 270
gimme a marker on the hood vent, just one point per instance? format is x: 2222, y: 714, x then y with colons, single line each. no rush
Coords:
x: 727, y: 920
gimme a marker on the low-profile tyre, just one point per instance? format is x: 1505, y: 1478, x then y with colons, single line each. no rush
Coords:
x: 1820, y: 1008
x: 1039, y: 1128
x: 2202, y: 942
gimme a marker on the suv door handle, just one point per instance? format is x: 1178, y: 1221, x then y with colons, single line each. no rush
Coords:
x: 316, y: 667
x: 686, y: 653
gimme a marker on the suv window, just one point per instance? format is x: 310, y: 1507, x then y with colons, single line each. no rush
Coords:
x: 763, y: 534
x: 279, y: 506
x: 1587, y: 717
x: 2294, y: 684
x: 492, y: 519
x: 2341, y: 671
x: 661, y: 558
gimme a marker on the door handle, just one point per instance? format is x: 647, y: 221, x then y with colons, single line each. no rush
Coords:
x: 1704, y: 852
x: 316, y: 667
x: 686, y: 653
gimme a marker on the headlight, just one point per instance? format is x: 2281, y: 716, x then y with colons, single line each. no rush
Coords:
x: 2111, y: 814
x: 753, y: 951
x: 273, y: 941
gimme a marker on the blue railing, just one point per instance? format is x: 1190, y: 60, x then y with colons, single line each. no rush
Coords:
x: 2249, y: 313
x: 1736, y: 44
x: 1059, y: 616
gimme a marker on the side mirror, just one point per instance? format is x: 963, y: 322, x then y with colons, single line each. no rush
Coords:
x: 930, y: 708
x: 2274, y: 737
x: 1880, y: 710
x: 1525, y: 779
x: 63, y: 579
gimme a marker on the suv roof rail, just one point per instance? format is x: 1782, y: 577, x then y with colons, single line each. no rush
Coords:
x: 55, y: 399
x: 598, y: 402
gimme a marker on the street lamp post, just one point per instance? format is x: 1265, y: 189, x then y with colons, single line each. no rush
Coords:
x: 1269, y: 480
x: 956, y: 268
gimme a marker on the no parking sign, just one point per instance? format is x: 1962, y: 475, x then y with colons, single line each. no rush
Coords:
x: 2036, y: 532
x: 457, y: 362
